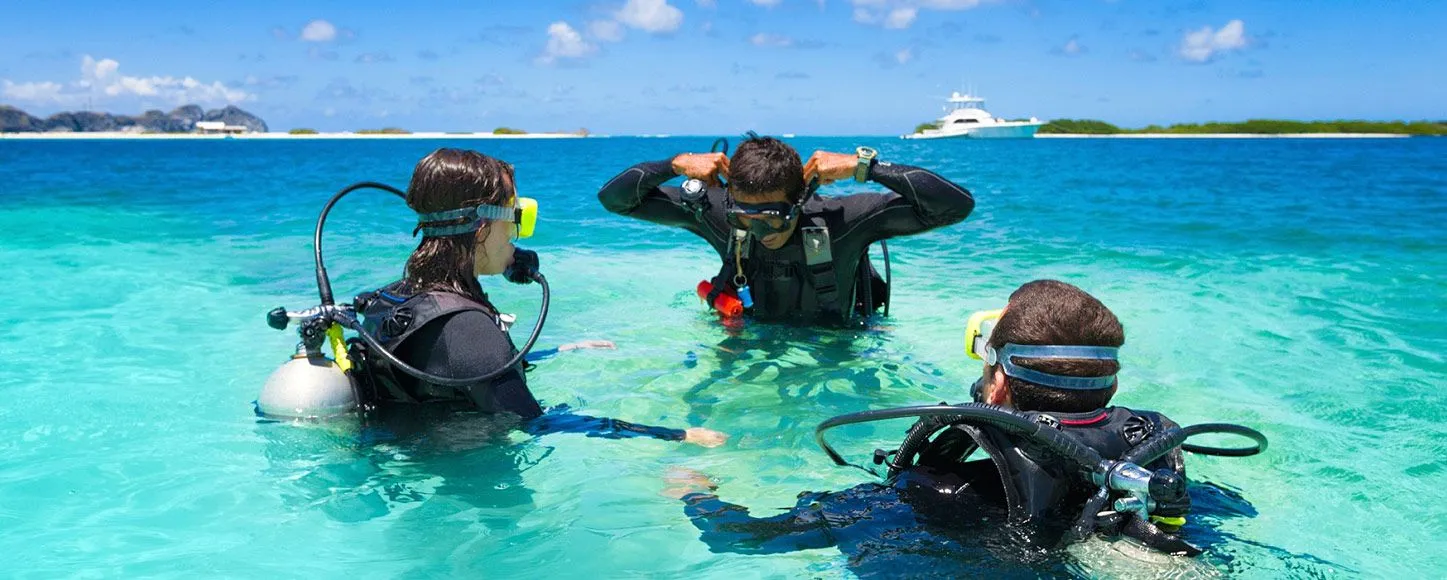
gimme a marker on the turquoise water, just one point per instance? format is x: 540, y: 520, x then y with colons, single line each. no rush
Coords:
x: 1296, y: 286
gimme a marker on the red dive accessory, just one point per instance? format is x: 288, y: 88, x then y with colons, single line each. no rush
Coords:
x: 727, y: 304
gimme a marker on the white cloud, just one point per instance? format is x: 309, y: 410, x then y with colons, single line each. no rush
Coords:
x: 774, y: 40
x: 650, y: 15
x: 904, y: 56
x: 319, y: 31
x: 900, y: 17
x: 900, y: 14
x: 101, y: 80
x: 606, y: 30
x: 1204, y: 44
x: 41, y: 92
x: 565, y: 42
x: 950, y: 4
x: 1072, y: 48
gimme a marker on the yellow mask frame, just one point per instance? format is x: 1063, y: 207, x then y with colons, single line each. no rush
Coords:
x: 977, y: 332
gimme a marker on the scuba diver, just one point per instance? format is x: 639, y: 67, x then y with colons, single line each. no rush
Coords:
x: 822, y: 275
x: 1051, y: 444
x: 433, y: 341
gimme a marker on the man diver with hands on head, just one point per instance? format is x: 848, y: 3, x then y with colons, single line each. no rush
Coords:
x: 1050, y: 365
x: 787, y: 253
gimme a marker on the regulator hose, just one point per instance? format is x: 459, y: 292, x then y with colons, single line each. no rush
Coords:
x: 349, y: 319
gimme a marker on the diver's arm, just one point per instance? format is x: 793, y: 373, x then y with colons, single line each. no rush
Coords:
x: 636, y: 193
x: 537, y: 354
x: 728, y: 527
x: 921, y: 201
x: 560, y: 420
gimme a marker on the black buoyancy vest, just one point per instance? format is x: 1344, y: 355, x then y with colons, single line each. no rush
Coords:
x: 819, y: 272
x: 1034, y: 482
x: 391, y: 316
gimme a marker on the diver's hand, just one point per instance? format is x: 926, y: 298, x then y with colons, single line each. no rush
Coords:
x: 683, y: 481
x: 582, y: 344
x: 707, y: 167
x: 830, y: 167
x: 704, y: 437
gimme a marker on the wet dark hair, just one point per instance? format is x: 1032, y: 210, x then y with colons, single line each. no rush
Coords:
x: 1050, y: 312
x: 764, y: 165
x: 452, y: 179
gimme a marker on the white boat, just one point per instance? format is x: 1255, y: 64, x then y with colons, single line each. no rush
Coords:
x: 965, y: 116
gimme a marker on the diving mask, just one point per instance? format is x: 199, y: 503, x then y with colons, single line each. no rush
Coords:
x: 523, y: 214
x: 977, y: 345
x: 977, y: 332
x: 762, y: 219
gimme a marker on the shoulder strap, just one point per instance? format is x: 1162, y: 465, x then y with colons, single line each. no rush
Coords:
x: 819, y: 257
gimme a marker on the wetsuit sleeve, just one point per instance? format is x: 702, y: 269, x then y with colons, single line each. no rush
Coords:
x: 728, y: 527
x: 920, y: 201
x: 469, y: 344
x: 637, y: 193
x: 563, y: 421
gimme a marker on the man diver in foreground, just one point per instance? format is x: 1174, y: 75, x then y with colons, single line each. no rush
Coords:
x: 1050, y: 365
x: 821, y: 275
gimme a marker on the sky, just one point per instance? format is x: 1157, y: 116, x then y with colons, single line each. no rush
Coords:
x: 705, y: 67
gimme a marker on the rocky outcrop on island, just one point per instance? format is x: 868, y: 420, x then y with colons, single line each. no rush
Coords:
x: 180, y: 120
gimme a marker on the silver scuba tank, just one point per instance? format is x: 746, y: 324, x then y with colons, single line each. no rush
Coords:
x: 307, y: 387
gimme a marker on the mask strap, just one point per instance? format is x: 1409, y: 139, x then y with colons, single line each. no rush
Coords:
x: 1005, y: 355
x: 475, y: 215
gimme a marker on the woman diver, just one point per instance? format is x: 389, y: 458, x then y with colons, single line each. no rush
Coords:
x: 438, y: 319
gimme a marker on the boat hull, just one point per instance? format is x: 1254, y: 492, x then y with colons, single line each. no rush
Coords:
x: 996, y: 131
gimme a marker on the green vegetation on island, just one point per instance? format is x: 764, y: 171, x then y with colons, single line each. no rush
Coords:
x: 508, y: 131
x: 302, y: 132
x: 1251, y: 127
x: 384, y: 131
x: 922, y: 127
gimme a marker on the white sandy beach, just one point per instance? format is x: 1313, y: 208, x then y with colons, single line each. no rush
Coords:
x: 422, y: 135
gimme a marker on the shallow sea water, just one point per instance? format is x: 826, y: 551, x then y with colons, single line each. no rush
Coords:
x: 1297, y: 286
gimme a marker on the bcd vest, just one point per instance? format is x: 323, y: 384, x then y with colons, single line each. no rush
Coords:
x: 869, y: 289
x: 1038, y: 485
x: 392, y: 317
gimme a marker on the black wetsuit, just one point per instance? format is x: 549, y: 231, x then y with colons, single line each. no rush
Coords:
x: 470, y: 343
x: 908, y: 529
x: 782, y: 285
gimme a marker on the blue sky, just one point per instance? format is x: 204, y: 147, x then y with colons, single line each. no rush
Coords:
x: 725, y: 66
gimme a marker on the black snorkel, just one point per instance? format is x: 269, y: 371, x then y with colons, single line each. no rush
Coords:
x: 315, y: 321
x: 1141, y: 488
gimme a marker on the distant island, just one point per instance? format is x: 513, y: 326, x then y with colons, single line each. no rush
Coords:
x: 186, y: 119
x: 1251, y: 127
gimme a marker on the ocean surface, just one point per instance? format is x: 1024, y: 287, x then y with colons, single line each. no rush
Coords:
x: 1296, y: 286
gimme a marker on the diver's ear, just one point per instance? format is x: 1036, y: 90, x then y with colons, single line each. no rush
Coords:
x: 999, y: 390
